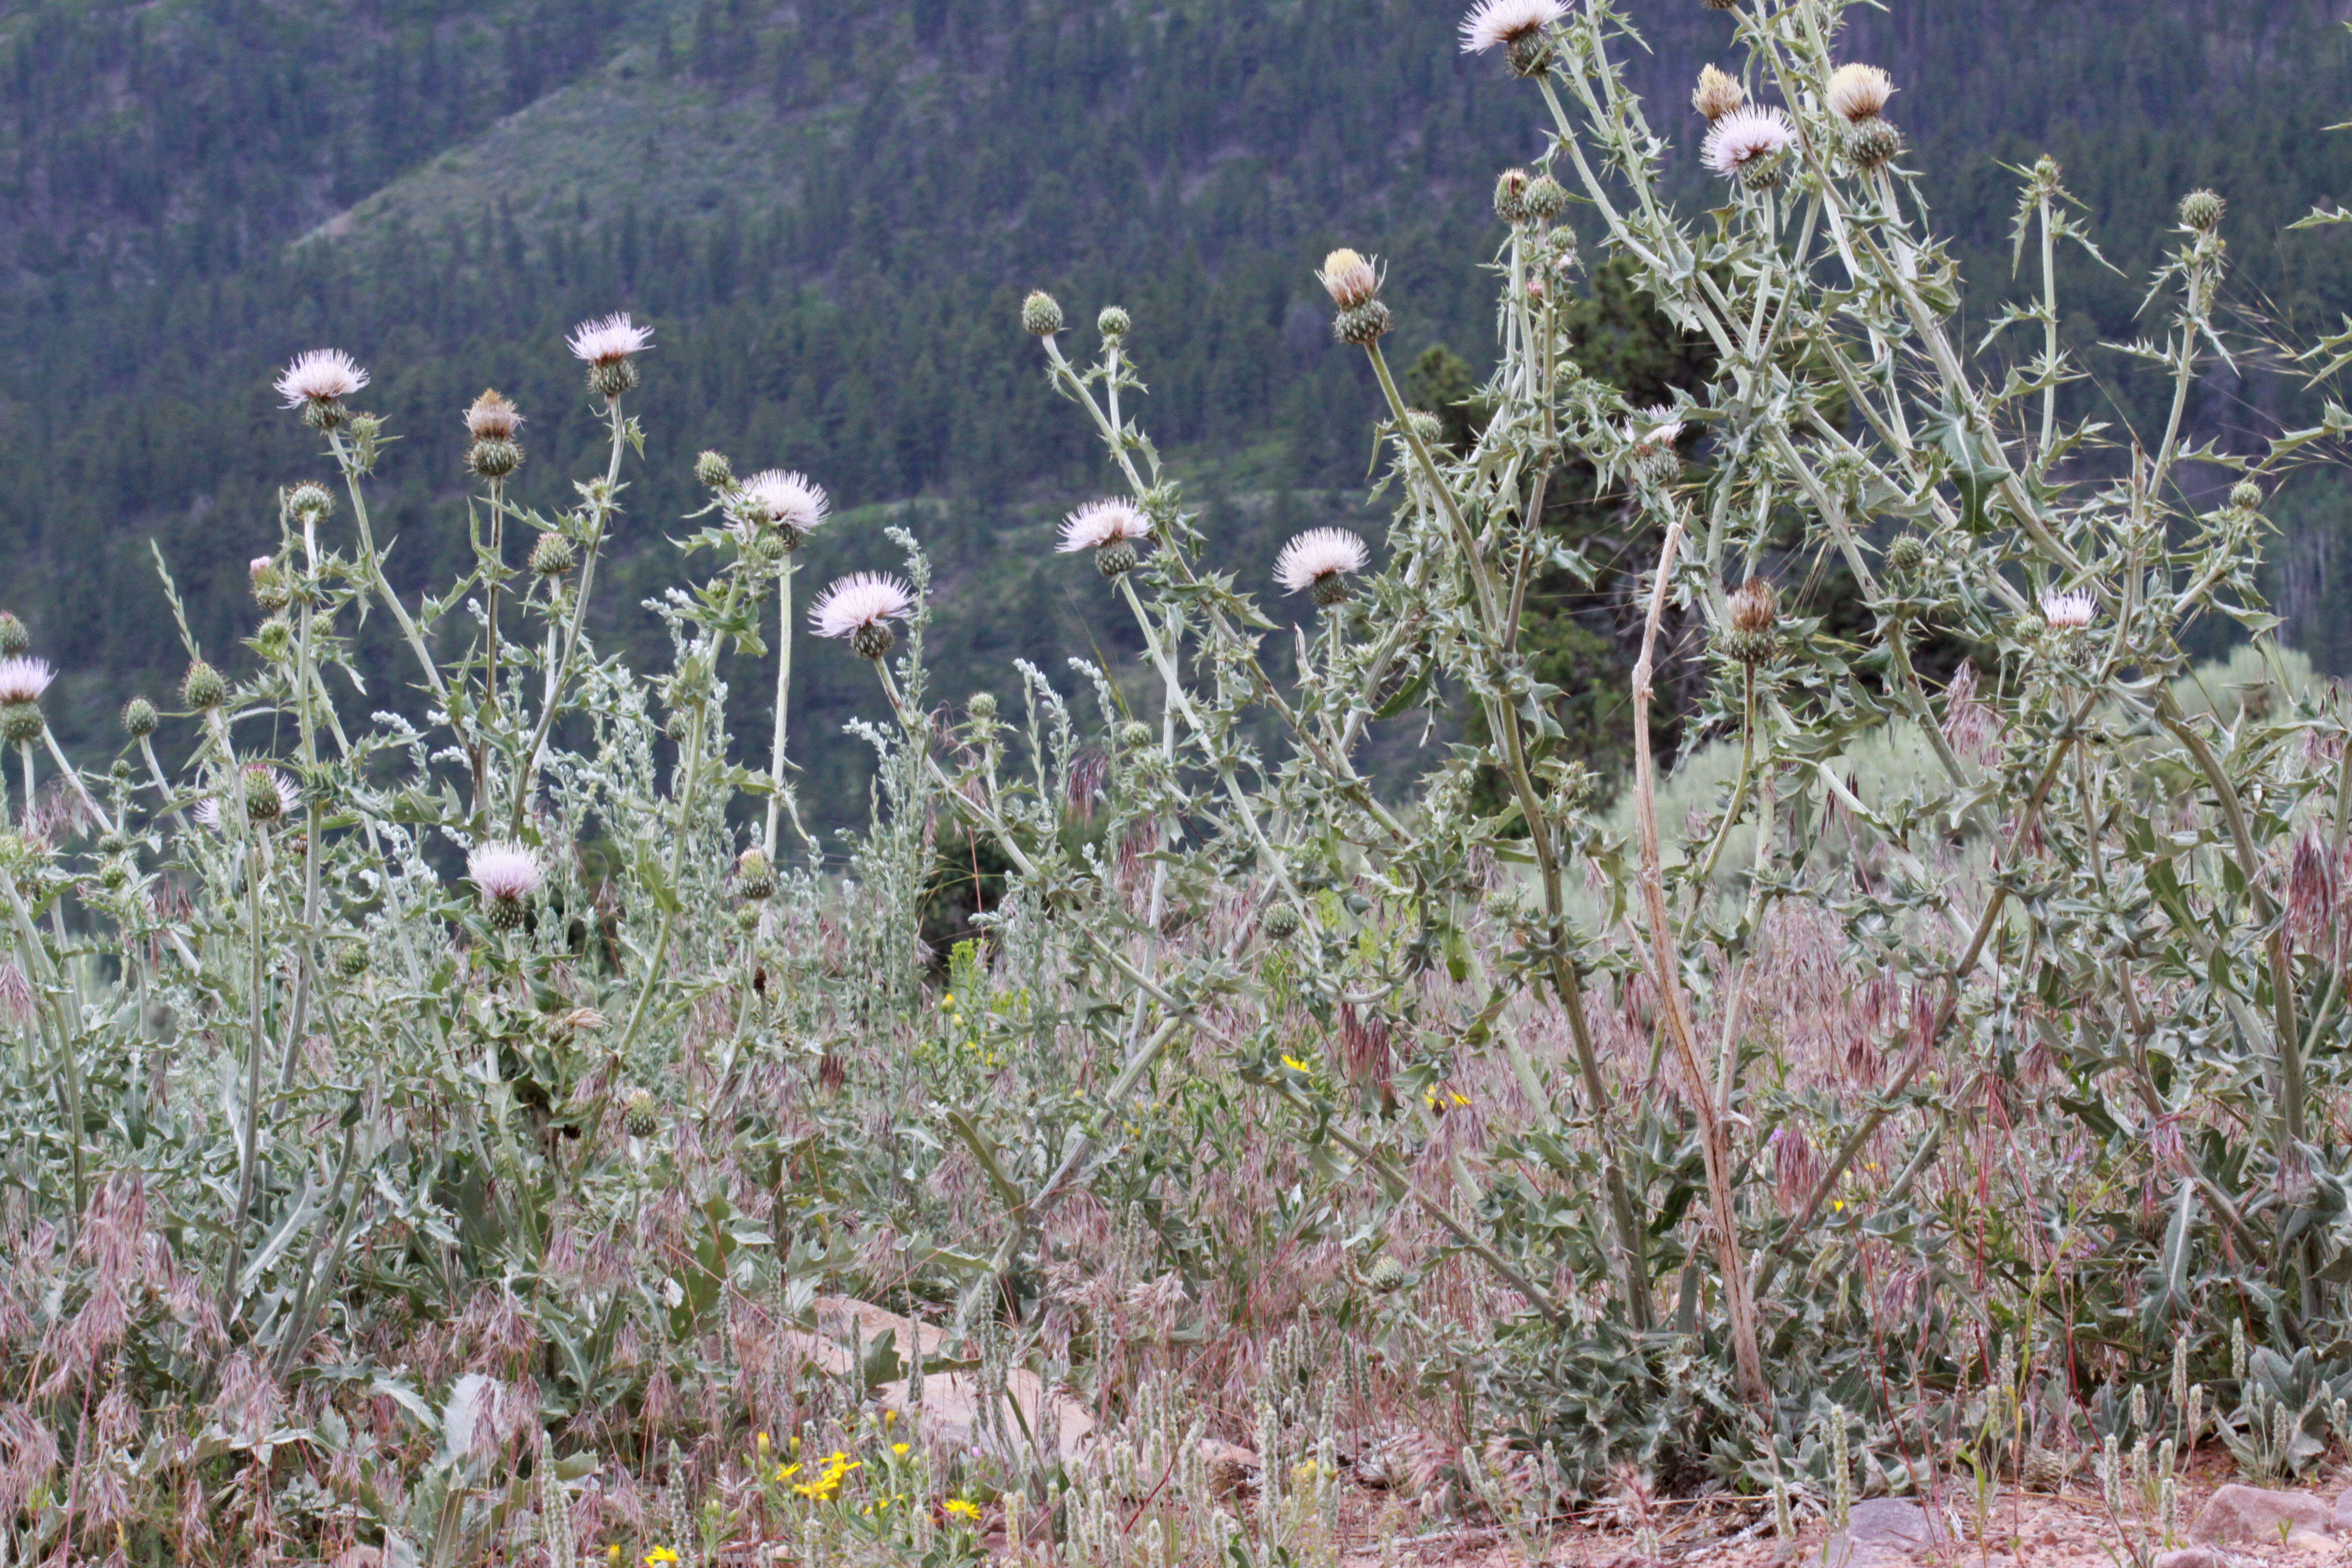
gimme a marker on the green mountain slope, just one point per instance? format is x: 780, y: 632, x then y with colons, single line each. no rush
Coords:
x: 830, y: 214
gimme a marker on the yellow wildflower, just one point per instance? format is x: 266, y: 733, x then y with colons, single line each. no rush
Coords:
x: 900, y: 1450
x: 958, y: 1508
x: 1293, y: 1063
x: 659, y: 1555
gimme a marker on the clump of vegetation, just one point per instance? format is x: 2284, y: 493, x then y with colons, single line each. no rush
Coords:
x: 473, y: 1114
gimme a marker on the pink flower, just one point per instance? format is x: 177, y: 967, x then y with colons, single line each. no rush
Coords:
x: 609, y: 339
x: 503, y: 871
x: 1744, y: 135
x: 1101, y: 523
x: 24, y: 679
x: 780, y: 500
x: 323, y: 375
x: 1491, y: 22
x: 1317, y: 553
x: 854, y: 603
x: 2069, y: 612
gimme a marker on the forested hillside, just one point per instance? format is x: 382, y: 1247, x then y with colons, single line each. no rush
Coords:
x: 830, y: 214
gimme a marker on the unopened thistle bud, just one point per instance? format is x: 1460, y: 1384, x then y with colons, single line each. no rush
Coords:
x: 1719, y: 93
x: 14, y: 639
x: 202, y: 688
x: 1907, y: 553
x: 1545, y: 200
x: 1134, y: 735
x: 551, y: 556
x: 755, y: 878
x: 1040, y: 315
x: 643, y: 1117
x: 1113, y: 323
x: 1752, y: 623
x: 2201, y: 211
x: 713, y: 471
x: 351, y: 962
x: 274, y: 639
x: 981, y: 706
x: 140, y: 717
x: 2246, y: 496
x: 1386, y: 1275
x: 1426, y: 425
x: 1280, y: 922
x: 1870, y: 143
x: 270, y: 589
x: 1511, y: 195
x: 310, y: 501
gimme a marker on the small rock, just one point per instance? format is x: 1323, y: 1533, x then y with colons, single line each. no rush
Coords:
x: 2252, y: 1515
x: 2192, y: 1557
x: 1231, y: 1467
x: 1880, y: 1532
x: 2344, y: 1514
x: 2312, y: 1543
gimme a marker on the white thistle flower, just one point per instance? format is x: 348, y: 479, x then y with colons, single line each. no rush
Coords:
x: 1744, y: 135
x: 1493, y: 22
x: 854, y: 603
x: 1654, y: 427
x: 1101, y: 523
x: 253, y: 776
x: 1858, y: 92
x: 776, y: 498
x: 321, y: 376
x: 2070, y: 611
x: 1317, y: 553
x: 608, y: 340
x: 504, y: 871
x: 24, y: 679
x: 1350, y: 279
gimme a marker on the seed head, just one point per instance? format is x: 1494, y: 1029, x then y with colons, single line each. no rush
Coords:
x: 202, y: 688
x: 1858, y: 92
x: 861, y: 607
x: 1113, y: 323
x: 318, y: 382
x: 2070, y: 611
x: 1320, y: 558
x: 755, y: 878
x: 1756, y: 607
x: 492, y: 418
x: 551, y: 556
x: 1041, y: 314
x: 1746, y: 138
x: 140, y: 719
x: 1719, y: 93
x: 2201, y: 211
x: 1351, y: 280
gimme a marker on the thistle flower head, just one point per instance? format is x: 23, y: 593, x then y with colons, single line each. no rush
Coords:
x: 2070, y: 611
x: 1101, y: 523
x: 1491, y: 24
x: 1755, y: 608
x: 1653, y: 429
x: 321, y: 376
x: 1858, y: 92
x: 266, y: 794
x: 1349, y: 278
x: 24, y: 679
x: 608, y: 340
x: 505, y: 872
x: 1719, y: 93
x: 853, y: 604
x: 492, y: 418
x: 1743, y: 136
x: 1316, y: 554
x: 773, y: 497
